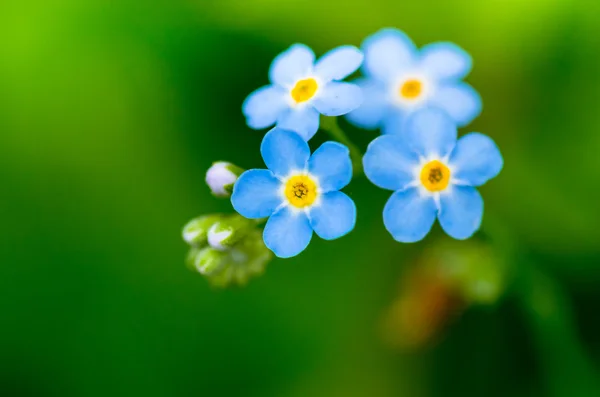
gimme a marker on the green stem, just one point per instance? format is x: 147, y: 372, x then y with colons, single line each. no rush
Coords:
x: 331, y: 126
x: 261, y: 221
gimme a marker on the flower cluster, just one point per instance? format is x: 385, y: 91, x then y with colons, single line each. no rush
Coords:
x: 418, y: 100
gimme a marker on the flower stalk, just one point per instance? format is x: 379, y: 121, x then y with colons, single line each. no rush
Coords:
x: 332, y: 127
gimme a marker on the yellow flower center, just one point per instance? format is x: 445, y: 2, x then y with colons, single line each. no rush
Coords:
x: 304, y: 90
x: 435, y: 176
x: 301, y: 191
x: 411, y: 89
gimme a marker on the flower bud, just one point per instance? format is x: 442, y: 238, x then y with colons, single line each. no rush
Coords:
x: 190, y: 259
x: 227, y: 250
x: 221, y: 177
x: 195, y: 232
x: 227, y: 232
x: 206, y: 261
x: 246, y: 260
x: 224, y: 277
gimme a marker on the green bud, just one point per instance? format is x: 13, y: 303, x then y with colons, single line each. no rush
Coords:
x: 229, y: 231
x: 208, y: 261
x: 222, y: 278
x: 258, y: 254
x: 195, y: 232
x: 245, y: 260
x: 226, y: 250
x: 190, y: 259
x: 221, y: 177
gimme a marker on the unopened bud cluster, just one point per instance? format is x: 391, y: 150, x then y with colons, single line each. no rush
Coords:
x: 226, y: 249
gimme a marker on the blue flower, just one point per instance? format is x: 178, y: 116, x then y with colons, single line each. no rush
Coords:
x: 299, y: 192
x: 433, y: 175
x: 300, y: 90
x: 400, y: 79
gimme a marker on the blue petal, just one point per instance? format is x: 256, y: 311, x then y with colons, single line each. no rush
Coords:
x: 461, y: 211
x: 395, y: 121
x: 389, y: 163
x: 408, y: 216
x: 331, y: 164
x: 284, y: 152
x: 303, y: 120
x: 374, y: 105
x: 445, y: 61
x: 336, y: 99
x: 460, y: 101
x: 431, y: 132
x: 263, y: 106
x: 287, y: 232
x: 387, y: 53
x: 476, y: 159
x: 256, y: 194
x: 291, y: 65
x: 338, y: 63
x: 334, y: 217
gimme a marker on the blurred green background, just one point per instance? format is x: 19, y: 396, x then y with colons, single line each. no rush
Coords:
x: 110, y: 114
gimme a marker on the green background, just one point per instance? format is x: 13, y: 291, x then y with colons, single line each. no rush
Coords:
x: 110, y: 114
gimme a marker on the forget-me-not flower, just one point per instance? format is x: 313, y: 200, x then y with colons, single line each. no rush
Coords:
x: 300, y: 90
x: 433, y: 175
x: 298, y: 192
x: 400, y: 79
